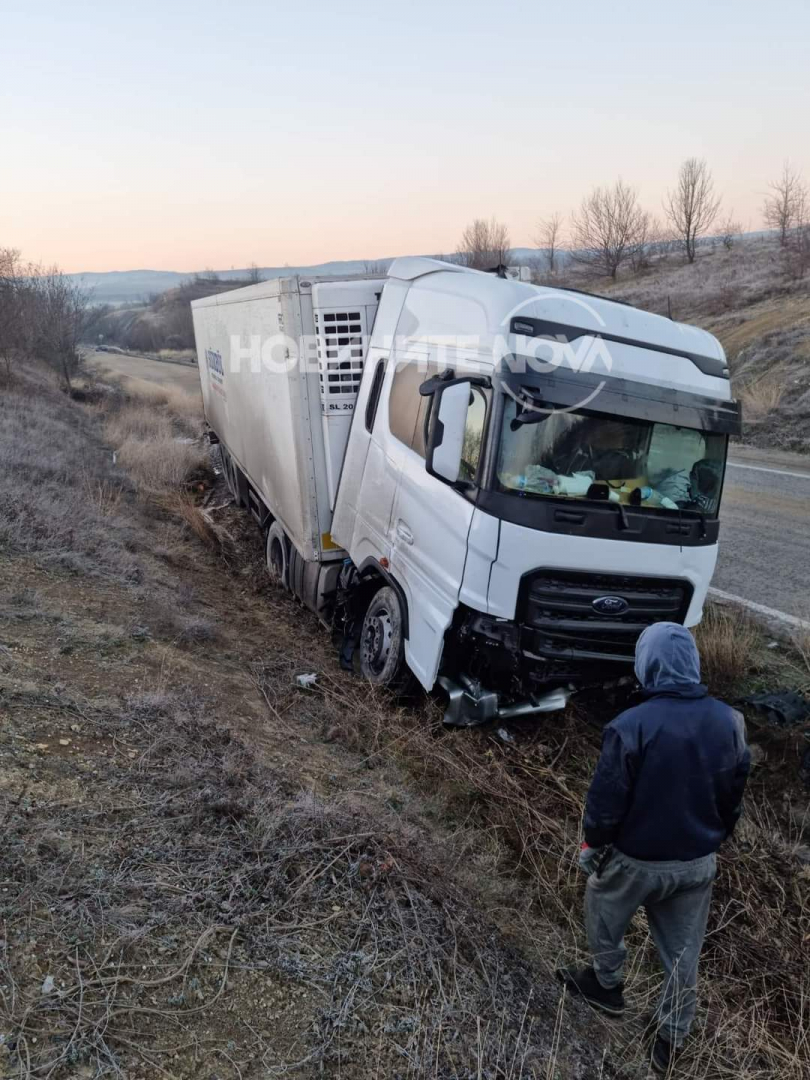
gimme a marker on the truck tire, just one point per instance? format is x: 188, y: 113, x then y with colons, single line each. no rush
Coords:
x: 382, y: 641
x: 277, y: 555
x: 230, y: 474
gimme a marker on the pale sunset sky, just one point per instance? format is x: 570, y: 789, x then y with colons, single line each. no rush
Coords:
x: 181, y: 136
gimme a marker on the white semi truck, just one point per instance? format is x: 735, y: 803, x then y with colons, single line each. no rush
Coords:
x: 489, y: 484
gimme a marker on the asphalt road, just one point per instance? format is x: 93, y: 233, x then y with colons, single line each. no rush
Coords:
x: 764, y: 555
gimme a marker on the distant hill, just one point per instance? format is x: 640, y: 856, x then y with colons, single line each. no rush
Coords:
x: 129, y: 286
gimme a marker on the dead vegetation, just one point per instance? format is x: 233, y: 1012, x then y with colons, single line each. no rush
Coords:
x: 521, y: 806
x: 189, y: 871
x: 761, y: 314
x: 201, y: 910
x: 730, y: 644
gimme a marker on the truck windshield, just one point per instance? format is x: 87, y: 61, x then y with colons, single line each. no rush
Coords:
x: 590, y: 455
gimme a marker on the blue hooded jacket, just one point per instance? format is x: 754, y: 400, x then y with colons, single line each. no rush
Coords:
x: 671, y: 775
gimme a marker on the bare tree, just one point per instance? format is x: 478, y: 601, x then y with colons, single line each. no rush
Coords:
x: 484, y: 245
x: 60, y: 312
x: 650, y: 239
x: 797, y: 246
x: 604, y: 229
x: 728, y: 230
x: 14, y: 299
x: 254, y: 274
x: 692, y: 206
x: 550, y: 238
x: 784, y: 202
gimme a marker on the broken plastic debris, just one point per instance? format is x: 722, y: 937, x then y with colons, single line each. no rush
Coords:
x: 783, y: 707
x: 306, y: 681
x: 505, y: 735
x: 48, y: 985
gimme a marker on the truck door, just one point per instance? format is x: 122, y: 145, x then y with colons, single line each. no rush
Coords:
x: 430, y: 521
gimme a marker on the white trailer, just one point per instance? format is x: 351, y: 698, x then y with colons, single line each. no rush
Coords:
x: 280, y: 366
x: 491, y: 485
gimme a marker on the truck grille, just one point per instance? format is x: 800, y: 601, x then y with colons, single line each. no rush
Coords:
x: 561, y: 623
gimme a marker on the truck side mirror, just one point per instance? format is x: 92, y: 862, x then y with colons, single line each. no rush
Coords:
x: 446, y: 439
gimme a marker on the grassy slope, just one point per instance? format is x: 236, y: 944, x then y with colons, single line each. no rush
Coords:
x: 224, y: 874
x: 762, y: 318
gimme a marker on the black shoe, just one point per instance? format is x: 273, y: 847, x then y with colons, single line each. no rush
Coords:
x: 583, y: 981
x: 663, y: 1055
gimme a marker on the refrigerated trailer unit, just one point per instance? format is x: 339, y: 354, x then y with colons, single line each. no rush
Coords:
x: 487, y: 483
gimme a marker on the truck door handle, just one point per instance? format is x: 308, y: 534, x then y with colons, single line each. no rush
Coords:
x: 404, y: 533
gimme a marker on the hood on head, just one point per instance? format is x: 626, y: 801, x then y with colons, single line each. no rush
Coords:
x: 666, y: 655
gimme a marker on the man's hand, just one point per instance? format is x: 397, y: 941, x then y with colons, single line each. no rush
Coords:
x: 593, y: 859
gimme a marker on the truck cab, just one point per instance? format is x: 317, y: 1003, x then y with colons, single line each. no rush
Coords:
x: 536, y: 473
x: 490, y: 485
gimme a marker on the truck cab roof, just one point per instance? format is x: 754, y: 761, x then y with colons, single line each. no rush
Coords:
x: 502, y: 315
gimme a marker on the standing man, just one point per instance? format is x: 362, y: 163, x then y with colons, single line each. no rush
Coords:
x: 666, y: 793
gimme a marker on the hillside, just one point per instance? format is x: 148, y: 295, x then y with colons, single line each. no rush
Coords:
x: 136, y: 286
x: 164, y: 323
x: 747, y: 297
x: 744, y: 294
x: 210, y: 872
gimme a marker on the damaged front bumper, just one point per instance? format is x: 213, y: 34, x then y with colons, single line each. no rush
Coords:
x: 470, y: 705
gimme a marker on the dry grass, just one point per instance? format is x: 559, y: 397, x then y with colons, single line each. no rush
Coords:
x: 178, y: 403
x: 759, y: 399
x: 163, y: 463
x: 138, y: 421
x: 61, y: 497
x: 728, y: 640
x: 156, y: 434
x: 516, y: 810
x: 222, y: 885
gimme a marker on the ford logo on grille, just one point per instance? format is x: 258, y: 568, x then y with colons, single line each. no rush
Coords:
x: 610, y: 605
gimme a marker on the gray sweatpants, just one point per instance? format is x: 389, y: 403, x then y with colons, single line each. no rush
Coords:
x: 676, y: 897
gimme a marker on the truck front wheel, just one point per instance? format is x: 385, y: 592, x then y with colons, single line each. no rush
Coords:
x: 382, y: 641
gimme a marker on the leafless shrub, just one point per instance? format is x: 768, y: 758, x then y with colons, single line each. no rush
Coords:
x: 692, y: 206
x: 199, y: 521
x: 603, y: 231
x: 16, y: 302
x: 647, y: 242
x: 797, y: 252
x: 729, y: 230
x: 784, y: 205
x: 484, y: 245
x: 550, y: 238
x: 60, y: 312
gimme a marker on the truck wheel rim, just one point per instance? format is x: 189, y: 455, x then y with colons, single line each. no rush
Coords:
x: 377, y: 636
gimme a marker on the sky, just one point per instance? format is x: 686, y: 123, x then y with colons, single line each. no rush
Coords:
x: 183, y: 136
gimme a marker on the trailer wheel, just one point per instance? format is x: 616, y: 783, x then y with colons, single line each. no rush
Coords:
x: 382, y: 645
x: 230, y: 475
x: 276, y: 553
